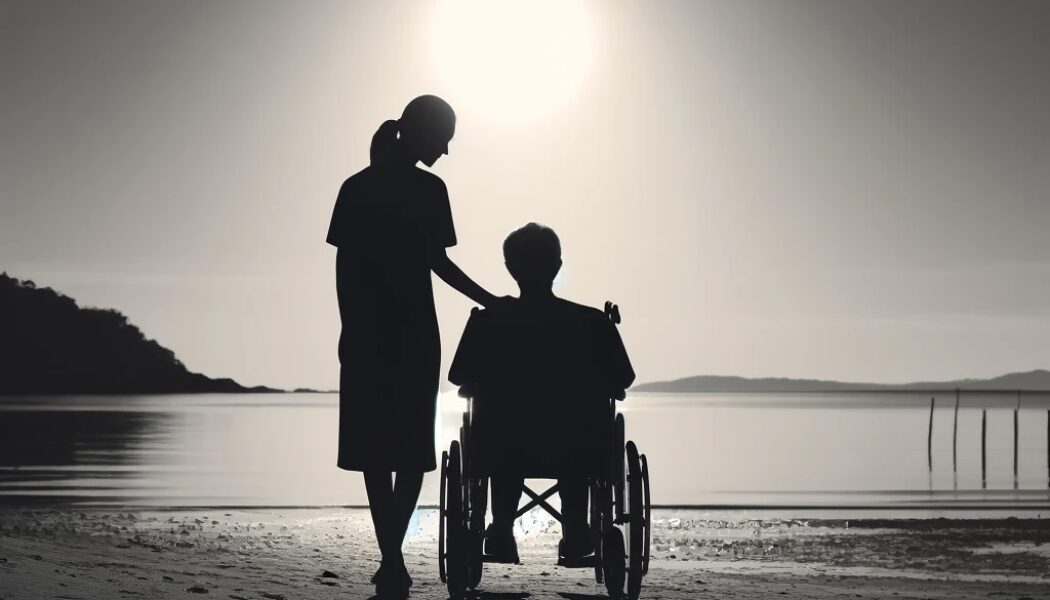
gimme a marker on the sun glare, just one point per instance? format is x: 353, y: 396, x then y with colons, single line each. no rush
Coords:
x: 515, y: 61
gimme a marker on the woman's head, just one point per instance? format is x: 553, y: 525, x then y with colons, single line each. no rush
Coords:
x: 421, y: 134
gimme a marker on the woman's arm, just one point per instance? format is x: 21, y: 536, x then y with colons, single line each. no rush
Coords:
x: 447, y: 270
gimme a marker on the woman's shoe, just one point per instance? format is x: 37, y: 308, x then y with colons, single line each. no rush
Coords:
x: 380, y: 572
x: 392, y: 581
x: 401, y: 577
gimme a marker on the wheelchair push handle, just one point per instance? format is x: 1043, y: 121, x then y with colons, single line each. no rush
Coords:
x: 613, y: 312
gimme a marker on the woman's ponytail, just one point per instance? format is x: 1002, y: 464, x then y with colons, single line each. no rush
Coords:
x: 384, y: 143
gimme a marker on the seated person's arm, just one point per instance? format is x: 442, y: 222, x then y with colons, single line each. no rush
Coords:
x: 447, y: 270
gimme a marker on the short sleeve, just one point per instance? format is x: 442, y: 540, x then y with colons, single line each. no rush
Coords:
x: 442, y: 231
x: 338, y: 228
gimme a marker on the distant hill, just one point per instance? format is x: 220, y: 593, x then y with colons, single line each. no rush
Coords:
x: 1037, y: 380
x: 49, y: 345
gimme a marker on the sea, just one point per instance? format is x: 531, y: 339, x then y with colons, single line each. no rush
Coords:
x: 774, y: 453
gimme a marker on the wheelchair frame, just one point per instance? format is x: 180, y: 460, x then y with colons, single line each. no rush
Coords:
x: 619, y: 508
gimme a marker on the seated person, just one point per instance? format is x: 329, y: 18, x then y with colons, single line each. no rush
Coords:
x: 542, y: 371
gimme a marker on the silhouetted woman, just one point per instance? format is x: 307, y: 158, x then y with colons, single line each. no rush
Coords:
x: 391, y: 224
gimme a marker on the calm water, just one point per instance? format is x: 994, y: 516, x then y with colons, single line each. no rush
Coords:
x: 751, y: 450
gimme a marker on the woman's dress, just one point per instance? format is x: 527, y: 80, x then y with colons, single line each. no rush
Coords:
x: 387, y: 222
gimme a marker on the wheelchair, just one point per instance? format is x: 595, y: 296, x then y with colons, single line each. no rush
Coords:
x: 618, y: 515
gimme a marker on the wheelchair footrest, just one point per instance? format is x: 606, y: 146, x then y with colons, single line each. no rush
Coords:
x: 578, y: 562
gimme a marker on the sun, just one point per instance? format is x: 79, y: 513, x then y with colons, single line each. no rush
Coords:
x: 511, y: 60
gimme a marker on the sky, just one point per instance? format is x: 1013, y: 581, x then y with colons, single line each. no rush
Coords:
x: 844, y: 190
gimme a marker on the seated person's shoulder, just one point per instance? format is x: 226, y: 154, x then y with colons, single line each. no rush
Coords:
x: 560, y: 312
x: 505, y: 312
x: 484, y: 326
x: 570, y: 311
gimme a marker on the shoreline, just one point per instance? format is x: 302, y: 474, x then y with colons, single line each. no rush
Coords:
x: 815, y: 513
x: 274, y: 554
x: 815, y: 516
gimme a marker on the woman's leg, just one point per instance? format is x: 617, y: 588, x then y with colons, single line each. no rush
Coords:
x: 379, y: 486
x: 405, y: 497
x: 392, y: 504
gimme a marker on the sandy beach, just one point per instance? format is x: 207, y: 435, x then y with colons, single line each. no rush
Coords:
x: 284, y: 554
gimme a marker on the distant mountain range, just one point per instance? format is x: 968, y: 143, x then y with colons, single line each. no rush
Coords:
x: 50, y: 345
x: 1037, y: 380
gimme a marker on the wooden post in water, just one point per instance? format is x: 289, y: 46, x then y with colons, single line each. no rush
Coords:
x: 929, y: 440
x: 1016, y: 410
x: 955, y: 435
x: 984, y: 455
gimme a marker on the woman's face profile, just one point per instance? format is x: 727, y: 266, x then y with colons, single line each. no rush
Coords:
x: 429, y: 146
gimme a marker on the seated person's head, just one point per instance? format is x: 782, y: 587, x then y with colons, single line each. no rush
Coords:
x: 533, y: 256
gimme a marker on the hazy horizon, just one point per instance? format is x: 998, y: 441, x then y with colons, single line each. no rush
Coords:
x: 849, y: 191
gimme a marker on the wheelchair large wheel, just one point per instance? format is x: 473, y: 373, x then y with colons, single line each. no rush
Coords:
x: 612, y: 562
x: 475, y: 490
x: 636, y: 521
x: 648, y: 515
x: 442, y: 512
x: 618, y: 469
x: 452, y: 531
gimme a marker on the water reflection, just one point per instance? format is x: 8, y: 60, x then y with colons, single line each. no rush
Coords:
x: 712, y: 450
x: 65, y: 438
x: 58, y: 455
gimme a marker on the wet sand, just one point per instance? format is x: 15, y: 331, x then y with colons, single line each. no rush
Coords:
x: 284, y: 554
